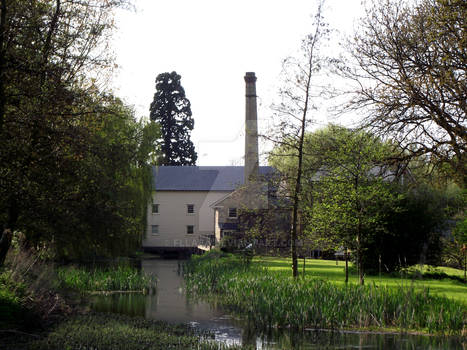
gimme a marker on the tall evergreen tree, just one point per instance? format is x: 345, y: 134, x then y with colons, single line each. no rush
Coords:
x: 171, y: 109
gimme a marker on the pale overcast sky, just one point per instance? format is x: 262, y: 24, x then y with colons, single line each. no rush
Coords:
x: 211, y: 44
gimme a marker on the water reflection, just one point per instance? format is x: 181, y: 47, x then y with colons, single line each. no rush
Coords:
x: 133, y: 304
x: 170, y: 304
x: 349, y: 340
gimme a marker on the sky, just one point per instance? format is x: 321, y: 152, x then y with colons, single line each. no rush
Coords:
x: 211, y: 44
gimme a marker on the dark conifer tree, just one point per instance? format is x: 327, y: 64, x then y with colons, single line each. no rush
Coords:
x: 171, y: 109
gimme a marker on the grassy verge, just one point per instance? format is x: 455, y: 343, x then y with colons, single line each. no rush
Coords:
x: 118, y: 278
x: 274, y: 299
x: 442, y: 281
x: 112, y: 332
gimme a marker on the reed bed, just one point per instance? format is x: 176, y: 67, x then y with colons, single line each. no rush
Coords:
x: 270, y: 300
x: 117, y: 278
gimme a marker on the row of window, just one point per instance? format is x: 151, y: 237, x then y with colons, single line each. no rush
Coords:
x: 190, y: 209
x: 190, y: 229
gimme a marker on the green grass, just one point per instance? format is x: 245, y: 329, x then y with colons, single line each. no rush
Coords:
x: 113, y: 332
x: 118, y: 278
x: 327, y: 270
x: 265, y: 294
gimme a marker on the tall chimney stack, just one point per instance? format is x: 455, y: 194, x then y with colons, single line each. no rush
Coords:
x: 251, y: 129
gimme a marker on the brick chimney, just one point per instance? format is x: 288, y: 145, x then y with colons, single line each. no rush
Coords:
x: 251, y: 129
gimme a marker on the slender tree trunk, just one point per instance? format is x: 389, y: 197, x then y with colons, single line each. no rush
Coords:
x: 298, y: 181
x: 359, y: 258
x: 465, y: 262
x: 358, y: 208
x: 362, y: 276
x: 303, y: 81
x: 346, y: 254
x: 293, y: 245
x: 304, y: 262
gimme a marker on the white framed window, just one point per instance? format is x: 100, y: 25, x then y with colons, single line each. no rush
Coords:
x: 155, y: 209
x: 232, y: 212
x: 190, y: 208
x: 190, y: 229
x: 155, y: 229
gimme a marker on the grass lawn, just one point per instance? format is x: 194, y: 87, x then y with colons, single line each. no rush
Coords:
x: 327, y: 269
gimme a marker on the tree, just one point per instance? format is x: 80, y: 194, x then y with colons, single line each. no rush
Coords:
x: 410, y: 74
x: 73, y: 161
x: 413, y: 232
x: 460, y: 238
x: 455, y: 245
x: 352, y: 194
x: 171, y: 109
x: 298, y: 95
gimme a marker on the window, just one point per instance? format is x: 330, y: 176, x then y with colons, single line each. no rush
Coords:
x: 190, y: 229
x: 155, y: 229
x: 232, y: 212
x: 155, y: 208
x: 190, y: 208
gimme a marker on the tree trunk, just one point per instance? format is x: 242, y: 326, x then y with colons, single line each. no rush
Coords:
x: 346, y: 265
x: 5, y: 243
x: 296, y: 197
x: 362, y: 277
x: 7, y: 233
x: 2, y: 62
x: 465, y: 262
x: 360, y: 259
x: 304, y: 265
x: 293, y: 248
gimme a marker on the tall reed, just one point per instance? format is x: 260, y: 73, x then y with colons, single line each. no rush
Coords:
x: 268, y: 299
x: 117, y: 278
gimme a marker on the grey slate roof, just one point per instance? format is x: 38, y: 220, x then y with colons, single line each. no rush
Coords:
x: 200, y: 178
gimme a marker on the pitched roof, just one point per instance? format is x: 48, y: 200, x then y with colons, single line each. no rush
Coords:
x: 200, y: 178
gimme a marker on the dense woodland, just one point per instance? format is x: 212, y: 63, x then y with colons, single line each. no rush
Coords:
x: 74, y: 176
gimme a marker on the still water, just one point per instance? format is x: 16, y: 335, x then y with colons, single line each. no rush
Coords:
x: 171, y: 304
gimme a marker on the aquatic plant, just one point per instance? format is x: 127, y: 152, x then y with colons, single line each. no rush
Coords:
x: 268, y: 299
x: 115, y: 278
x: 112, y: 332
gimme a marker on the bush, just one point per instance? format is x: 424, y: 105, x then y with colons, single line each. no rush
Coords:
x: 413, y: 232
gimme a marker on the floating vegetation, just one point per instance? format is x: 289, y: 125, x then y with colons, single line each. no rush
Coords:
x: 112, y: 332
x: 268, y: 300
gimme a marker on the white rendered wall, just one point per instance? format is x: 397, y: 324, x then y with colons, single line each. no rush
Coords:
x: 173, y: 218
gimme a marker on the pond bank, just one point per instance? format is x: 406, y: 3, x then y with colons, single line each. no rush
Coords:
x: 30, y: 321
x: 270, y: 300
x: 171, y: 303
x: 133, y: 314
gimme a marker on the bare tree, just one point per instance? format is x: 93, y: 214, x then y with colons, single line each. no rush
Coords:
x: 299, y: 95
x: 410, y: 77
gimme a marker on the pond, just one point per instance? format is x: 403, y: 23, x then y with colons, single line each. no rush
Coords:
x: 171, y: 304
